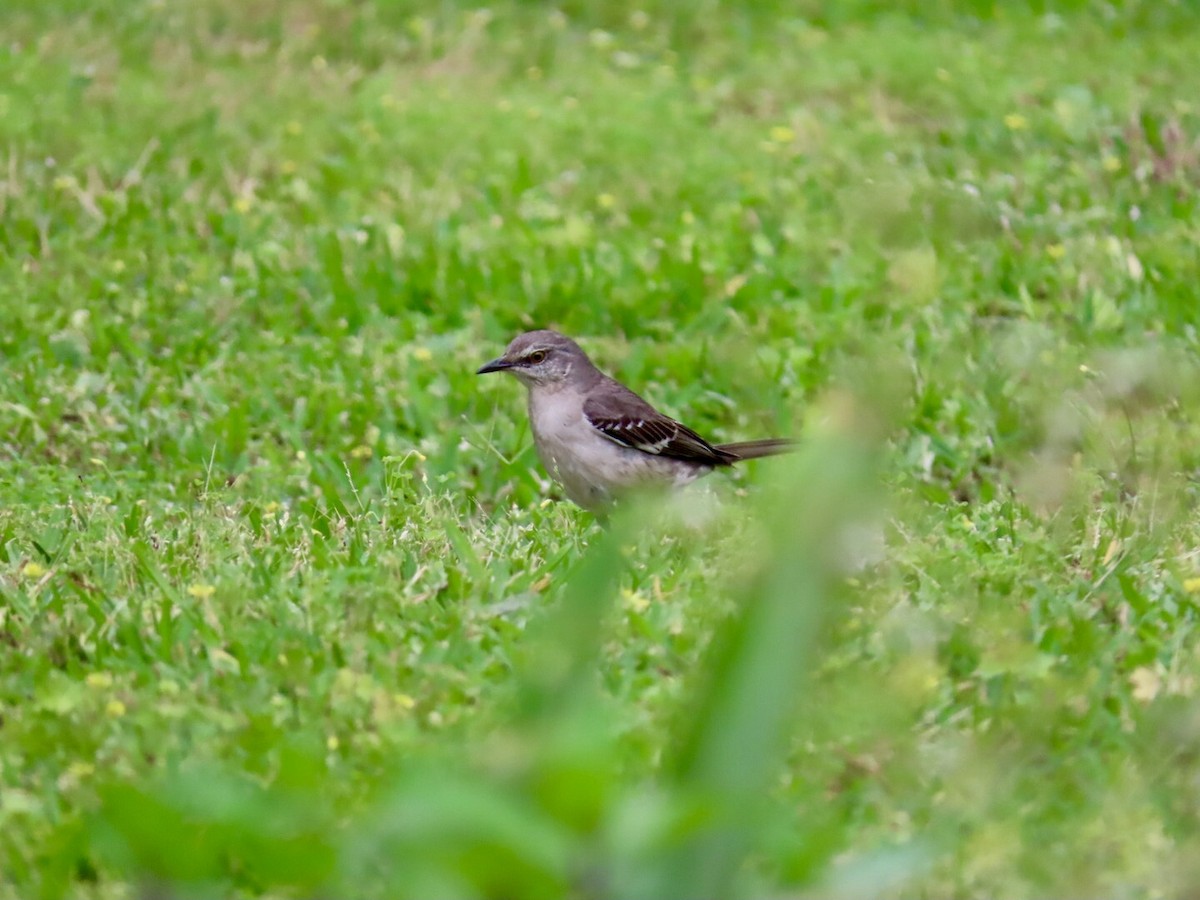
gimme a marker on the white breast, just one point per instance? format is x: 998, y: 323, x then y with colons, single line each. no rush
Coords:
x: 592, y: 469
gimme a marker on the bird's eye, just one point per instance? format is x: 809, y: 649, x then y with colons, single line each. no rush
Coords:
x: 536, y: 357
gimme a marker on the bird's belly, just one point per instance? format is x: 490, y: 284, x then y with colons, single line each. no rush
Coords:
x: 594, y: 471
x: 578, y: 466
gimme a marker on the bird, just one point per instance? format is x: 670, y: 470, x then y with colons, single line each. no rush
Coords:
x: 598, y: 439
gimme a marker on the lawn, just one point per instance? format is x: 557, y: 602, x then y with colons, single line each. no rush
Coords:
x: 288, y: 607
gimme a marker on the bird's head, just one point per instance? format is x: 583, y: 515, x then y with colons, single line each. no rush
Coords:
x: 542, y: 358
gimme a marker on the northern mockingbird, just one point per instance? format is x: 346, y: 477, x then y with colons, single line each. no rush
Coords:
x: 597, y: 438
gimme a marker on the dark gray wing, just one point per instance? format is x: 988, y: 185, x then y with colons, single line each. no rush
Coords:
x: 626, y: 419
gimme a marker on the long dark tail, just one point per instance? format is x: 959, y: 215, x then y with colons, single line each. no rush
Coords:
x: 755, y: 449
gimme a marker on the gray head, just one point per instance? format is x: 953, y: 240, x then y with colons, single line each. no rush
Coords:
x: 543, y: 358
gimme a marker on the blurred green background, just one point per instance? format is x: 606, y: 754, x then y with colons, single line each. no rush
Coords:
x: 286, y: 608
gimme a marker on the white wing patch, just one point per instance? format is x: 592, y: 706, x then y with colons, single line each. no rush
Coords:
x: 653, y: 438
x: 626, y: 419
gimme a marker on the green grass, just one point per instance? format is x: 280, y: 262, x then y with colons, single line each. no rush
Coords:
x: 283, y: 608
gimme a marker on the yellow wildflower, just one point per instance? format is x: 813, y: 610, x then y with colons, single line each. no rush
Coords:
x: 635, y: 600
x: 1146, y: 684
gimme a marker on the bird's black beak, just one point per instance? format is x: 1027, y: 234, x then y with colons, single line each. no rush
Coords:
x: 496, y: 365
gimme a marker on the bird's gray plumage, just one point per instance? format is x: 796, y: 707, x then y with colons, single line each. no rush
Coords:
x: 599, y: 439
